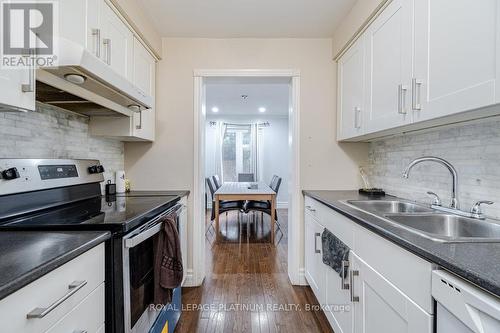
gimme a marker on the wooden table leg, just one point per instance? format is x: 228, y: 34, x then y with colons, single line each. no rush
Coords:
x: 216, y: 218
x: 273, y: 216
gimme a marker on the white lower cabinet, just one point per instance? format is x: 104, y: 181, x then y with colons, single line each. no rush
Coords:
x: 314, y: 267
x: 366, y: 300
x: 379, y: 306
x: 339, y: 309
x: 68, y: 299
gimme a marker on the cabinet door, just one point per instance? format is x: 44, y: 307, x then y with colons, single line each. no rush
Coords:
x: 388, y: 74
x: 117, y: 42
x: 144, y: 68
x: 381, y: 307
x: 11, y: 86
x: 457, y: 56
x: 94, y: 29
x: 339, y: 310
x: 314, y: 267
x: 351, y: 91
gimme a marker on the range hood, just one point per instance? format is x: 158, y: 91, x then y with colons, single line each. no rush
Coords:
x: 103, y: 92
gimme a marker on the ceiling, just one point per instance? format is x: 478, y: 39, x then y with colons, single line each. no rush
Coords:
x: 226, y: 95
x: 247, y: 18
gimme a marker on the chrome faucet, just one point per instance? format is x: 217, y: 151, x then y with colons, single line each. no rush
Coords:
x: 454, y: 200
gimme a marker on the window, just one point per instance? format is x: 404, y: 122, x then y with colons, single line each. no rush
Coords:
x: 237, y: 156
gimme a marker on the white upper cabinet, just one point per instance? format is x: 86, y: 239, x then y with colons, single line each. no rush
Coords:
x: 17, y: 88
x: 457, y: 56
x: 381, y: 307
x: 424, y: 61
x: 351, y: 91
x: 388, y: 67
x: 117, y: 41
x: 144, y: 69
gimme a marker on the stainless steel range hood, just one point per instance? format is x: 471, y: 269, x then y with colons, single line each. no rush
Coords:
x: 103, y: 92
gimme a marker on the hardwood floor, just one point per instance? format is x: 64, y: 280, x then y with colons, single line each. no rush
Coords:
x: 247, y: 288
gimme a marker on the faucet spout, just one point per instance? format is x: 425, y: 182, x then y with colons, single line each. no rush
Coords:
x: 454, y: 200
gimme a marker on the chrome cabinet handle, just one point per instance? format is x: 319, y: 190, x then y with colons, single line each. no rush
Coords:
x: 140, y: 121
x: 402, y: 99
x: 357, y: 115
x: 352, y: 274
x: 42, y: 312
x: 107, y: 43
x: 415, y: 94
x: 80, y: 331
x: 343, y: 285
x: 316, y: 235
x: 30, y: 86
x: 96, y: 33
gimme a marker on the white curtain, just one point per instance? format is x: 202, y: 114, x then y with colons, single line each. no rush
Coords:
x: 219, y: 139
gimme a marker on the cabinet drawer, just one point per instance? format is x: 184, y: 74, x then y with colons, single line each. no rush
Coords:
x: 88, y: 316
x: 311, y: 206
x: 48, y: 289
x: 336, y: 223
x: 405, y: 270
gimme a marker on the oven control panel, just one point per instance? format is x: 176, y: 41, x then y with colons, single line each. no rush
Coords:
x: 24, y: 175
x: 57, y: 171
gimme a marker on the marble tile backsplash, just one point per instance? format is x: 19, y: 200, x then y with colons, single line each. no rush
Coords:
x: 54, y: 133
x: 473, y: 148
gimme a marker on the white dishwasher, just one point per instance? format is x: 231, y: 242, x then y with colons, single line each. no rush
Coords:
x: 463, y: 307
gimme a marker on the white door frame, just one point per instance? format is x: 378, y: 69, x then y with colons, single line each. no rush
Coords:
x: 295, y: 200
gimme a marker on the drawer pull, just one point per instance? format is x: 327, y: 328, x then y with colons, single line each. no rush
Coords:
x: 343, y: 284
x: 352, y: 275
x: 42, y: 312
x: 316, y: 235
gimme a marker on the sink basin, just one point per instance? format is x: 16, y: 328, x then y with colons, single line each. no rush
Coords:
x: 388, y: 206
x: 449, y: 228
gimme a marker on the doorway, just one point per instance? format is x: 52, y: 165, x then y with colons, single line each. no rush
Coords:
x: 239, y: 141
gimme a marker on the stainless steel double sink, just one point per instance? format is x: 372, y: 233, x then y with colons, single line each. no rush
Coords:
x: 435, y: 225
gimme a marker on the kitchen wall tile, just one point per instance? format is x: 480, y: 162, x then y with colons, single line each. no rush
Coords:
x: 472, y: 147
x: 54, y: 133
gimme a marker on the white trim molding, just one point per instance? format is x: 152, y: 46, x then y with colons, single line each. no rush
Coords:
x: 295, y: 199
x: 246, y: 73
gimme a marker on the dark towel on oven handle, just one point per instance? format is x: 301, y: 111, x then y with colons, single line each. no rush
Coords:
x: 168, y: 262
x: 334, y: 252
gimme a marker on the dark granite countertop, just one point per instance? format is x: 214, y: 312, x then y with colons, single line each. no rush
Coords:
x: 27, y: 255
x: 478, y: 263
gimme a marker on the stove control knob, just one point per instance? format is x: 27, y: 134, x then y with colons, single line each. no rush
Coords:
x: 96, y: 169
x: 10, y: 174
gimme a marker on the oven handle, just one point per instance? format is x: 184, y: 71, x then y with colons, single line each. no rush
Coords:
x: 150, y: 232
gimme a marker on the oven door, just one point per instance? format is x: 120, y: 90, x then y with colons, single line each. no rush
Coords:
x: 138, y: 273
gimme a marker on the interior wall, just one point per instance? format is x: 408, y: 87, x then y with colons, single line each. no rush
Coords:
x: 168, y: 162
x: 274, y: 142
x: 134, y: 10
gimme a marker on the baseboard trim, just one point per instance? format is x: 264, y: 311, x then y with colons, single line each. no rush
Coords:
x: 188, y: 279
x: 302, y: 277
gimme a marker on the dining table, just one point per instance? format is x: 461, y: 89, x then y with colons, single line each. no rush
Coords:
x: 241, y: 191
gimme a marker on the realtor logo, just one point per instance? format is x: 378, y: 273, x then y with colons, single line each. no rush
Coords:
x: 28, y: 33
